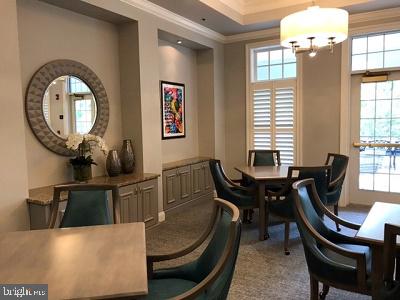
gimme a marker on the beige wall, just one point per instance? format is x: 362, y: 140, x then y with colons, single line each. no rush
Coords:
x: 321, y: 105
x: 179, y: 64
x: 13, y: 171
x: 47, y: 33
x: 130, y: 89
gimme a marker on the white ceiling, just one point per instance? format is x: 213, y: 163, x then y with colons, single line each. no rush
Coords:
x: 230, y: 17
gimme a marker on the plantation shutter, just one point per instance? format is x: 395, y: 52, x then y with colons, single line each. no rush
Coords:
x: 272, y: 115
x: 261, y: 118
x: 284, y: 123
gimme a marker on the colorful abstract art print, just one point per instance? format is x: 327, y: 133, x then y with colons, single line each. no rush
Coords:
x: 173, y: 110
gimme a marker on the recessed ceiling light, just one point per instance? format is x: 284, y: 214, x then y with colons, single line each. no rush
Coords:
x: 179, y: 41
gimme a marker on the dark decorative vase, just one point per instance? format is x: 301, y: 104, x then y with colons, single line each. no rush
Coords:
x: 113, y: 163
x: 82, y: 172
x: 127, y: 157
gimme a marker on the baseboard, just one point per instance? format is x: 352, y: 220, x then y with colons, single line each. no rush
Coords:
x: 161, y: 216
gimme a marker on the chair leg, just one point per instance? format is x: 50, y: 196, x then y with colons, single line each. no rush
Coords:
x: 325, y: 290
x: 336, y: 212
x: 251, y: 212
x: 246, y: 216
x: 267, y: 218
x: 314, y: 290
x: 286, y: 243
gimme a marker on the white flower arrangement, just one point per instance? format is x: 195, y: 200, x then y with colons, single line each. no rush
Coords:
x: 75, y: 141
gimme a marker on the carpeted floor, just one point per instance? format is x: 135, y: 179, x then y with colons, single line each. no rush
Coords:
x: 262, y: 269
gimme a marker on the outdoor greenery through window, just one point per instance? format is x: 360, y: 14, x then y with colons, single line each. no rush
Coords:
x: 380, y: 123
x: 273, y: 63
x: 376, y: 51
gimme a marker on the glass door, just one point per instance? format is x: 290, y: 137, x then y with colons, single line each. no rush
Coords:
x: 374, y: 166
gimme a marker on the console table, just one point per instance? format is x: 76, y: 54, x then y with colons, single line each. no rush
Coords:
x: 138, y: 194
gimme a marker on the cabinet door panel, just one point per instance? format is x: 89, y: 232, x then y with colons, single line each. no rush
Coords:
x: 148, y: 201
x: 184, y: 184
x: 129, y: 203
x: 208, y: 181
x: 197, y: 180
x: 171, y: 193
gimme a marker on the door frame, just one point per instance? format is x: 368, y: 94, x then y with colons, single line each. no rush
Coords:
x: 345, y: 95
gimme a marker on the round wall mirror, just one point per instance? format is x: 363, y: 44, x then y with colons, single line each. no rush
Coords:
x: 69, y: 106
x: 64, y: 97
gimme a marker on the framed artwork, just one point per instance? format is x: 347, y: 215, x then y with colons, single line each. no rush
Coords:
x: 172, y: 110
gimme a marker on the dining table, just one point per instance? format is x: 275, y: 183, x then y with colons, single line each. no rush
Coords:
x: 104, y: 261
x: 372, y: 232
x: 262, y: 176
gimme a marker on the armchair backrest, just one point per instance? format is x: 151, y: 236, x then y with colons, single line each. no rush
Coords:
x: 339, y: 164
x: 87, y: 205
x: 219, y: 177
x: 391, y: 290
x: 213, y: 270
x: 264, y: 158
x: 320, y: 174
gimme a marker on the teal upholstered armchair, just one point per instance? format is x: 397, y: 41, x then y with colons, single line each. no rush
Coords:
x: 264, y: 158
x: 242, y: 197
x: 87, y: 205
x: 339, y: 164
x: 210, y: 275
x: 284, y: 208
x: 391, y: 287
x: 333, y: 259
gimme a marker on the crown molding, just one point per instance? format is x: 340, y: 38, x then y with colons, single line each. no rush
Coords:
x: 253, y: 35
x: 375, y: 15
x: 174, y: 18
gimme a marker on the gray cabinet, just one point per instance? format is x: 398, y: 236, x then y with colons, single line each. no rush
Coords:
x: 176, y: 186
x: 202, y: 182
x: 148, y: 202
x: 139, y: 202
x: 186, y: 183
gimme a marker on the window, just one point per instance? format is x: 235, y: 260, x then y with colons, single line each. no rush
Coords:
x: 77, y: 86
x: 84, y: 114
x: 380, y: 123
x: 273, y: 63
x: 376, y: 51
x: 271, y: 101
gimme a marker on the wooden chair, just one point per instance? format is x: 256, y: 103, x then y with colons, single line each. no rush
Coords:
x: 284, y: 208
x: 339, y: 164
x: 242, y: 197
x: 210, y: 275
x: 391, y: 287
x: 87, y: 205
x: 264, y: 158
x: 333, y: 259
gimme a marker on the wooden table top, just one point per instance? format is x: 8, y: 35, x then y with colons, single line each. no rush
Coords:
x: 373, y: 228
x: 264, y: 172
x: 80, y: 262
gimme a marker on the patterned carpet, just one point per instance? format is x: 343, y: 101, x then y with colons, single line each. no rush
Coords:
x: 262, y: 269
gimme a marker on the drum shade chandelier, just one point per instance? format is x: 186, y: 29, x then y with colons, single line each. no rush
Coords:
x: 314, y: 28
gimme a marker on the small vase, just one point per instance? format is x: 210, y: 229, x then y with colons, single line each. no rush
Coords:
x: 82, y: 172
x: 127, y: 157
x: 113, y: 163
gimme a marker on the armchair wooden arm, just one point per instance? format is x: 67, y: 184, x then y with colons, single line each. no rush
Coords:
x: 329, y: 214
x: 361, y: 264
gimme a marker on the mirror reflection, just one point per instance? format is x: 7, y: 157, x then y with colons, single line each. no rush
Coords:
x: 69, y: 106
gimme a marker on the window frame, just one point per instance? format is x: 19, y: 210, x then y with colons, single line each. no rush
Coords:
x: 298, y: 126
x: 366, y: 34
